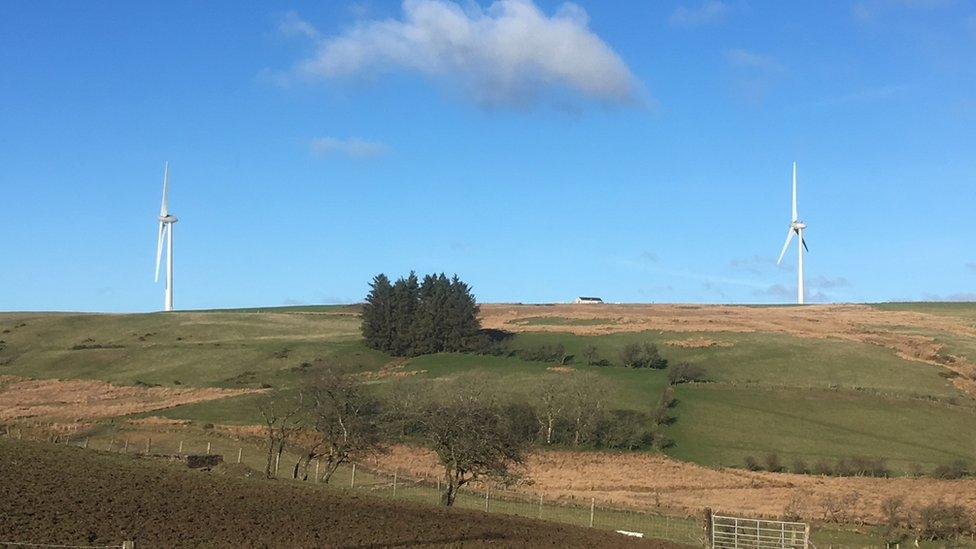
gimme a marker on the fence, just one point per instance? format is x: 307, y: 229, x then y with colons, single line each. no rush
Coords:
x: 736, y: 532
x: 396, y: 485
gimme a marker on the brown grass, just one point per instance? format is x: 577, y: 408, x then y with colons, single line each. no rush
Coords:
x: 83, y: 399
x: 654, y: 482
x: 861, y: 323
x: 698, y: 343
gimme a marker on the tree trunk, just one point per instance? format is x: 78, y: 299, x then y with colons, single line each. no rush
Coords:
x: 270, y: 465
x: 330, y: 469
x: 450, y: 490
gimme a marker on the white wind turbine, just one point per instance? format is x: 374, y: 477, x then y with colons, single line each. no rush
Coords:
x: 796, y: 227
x: 166, y: 221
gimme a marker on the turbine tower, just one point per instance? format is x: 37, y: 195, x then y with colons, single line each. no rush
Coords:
x: 166, y: 221
x: 796, y: 227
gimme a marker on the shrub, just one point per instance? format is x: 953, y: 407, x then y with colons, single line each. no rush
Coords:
x: 943, y: 521
x: 956, y: 469
x: 590, y: 354
x: 799, y: 466
x: 683, y: 372
x: 868, y: 467
x: 642, y: 355
x: 752, y: 464
x: 823, y: 467
x: 772, y: 462
x: 894, y: 522
x: 544, y: 353
x: 624, y: 430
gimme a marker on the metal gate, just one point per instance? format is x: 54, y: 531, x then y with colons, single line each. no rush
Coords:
x: 746, y: 533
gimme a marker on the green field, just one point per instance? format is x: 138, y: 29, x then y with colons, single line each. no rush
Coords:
x: 809, y: 398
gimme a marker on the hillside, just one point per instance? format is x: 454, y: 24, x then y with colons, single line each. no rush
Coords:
x: 812, y: 382
x: 891, y: 382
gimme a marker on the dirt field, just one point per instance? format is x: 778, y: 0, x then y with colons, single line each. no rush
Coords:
x: 649, y: 481
x: 76, y: 400
x: 862, y: 323
x: 53, y: 494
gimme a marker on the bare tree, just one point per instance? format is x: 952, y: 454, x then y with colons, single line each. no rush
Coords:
x: 552, y: 398
x: 347, y: 418
x: 588, y: 396
x: 472, y: 441
x: 283, y: 417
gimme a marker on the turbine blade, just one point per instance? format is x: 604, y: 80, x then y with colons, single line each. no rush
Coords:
x: 794, y: 193
x: 159, y: 249
x: 164, y: 209
x: 804, y: 241
x: 789, y: 238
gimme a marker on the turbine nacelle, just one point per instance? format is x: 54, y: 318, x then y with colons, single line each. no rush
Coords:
x: 797, y: 225
x: 168, y: 219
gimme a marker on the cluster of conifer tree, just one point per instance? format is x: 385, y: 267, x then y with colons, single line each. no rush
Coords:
x: 410, y: 317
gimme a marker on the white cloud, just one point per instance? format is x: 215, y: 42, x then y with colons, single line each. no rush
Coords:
x: 293, y: 25
x: 353, y: 146
x: 509, y: 53
x: 746, y: 59
x: 712, y: 11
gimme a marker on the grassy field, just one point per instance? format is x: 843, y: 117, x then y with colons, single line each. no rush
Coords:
x: 720, y: 425
x: 804, y: 397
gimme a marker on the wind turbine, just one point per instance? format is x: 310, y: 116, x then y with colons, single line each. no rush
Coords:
x: 166, y: 221
x: 796, y: 227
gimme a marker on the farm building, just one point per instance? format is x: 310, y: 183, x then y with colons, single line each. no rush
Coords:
x: 589, y: 300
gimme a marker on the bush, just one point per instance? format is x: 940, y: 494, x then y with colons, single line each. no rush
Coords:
x: 544, y: 353
x: 624, y: 430
x: 521, y: 421
x: 590, y: 354
x: 752, y: 464
x: 799, y: 466
x: 683, y: 372
x: 642, y: 355
x: 956, y: 469
x: 868, y: 467
x: 894, y: 522
x: 772, y: 462
x: 823, y: 467
x: 943, y: 521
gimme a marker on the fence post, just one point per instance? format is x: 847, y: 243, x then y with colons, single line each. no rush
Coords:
x: 240, y: 454
x: 128, y: 545
x: 540, y: 505
x: 592, y: 508
x: 125, y: 448
x: 277, y: 460
x: 352, y: 481
x: 180, y: 449
x: 708, y: 527
x: 149, y: 445
x: 395, y: 471
x: 208, y: 447
x: 487, y: 497
x: 316, y: 469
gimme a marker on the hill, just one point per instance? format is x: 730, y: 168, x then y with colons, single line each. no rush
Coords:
x: 890, y: 382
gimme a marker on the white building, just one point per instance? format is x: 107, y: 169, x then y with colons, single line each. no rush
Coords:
x: 588, y: 300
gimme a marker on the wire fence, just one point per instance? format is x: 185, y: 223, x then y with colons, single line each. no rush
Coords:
x: 397, y: 485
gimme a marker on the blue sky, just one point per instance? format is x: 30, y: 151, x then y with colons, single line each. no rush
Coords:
x: 639, y: 151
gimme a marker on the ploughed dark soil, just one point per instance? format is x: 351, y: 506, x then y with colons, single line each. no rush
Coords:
x: 63, y: 495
